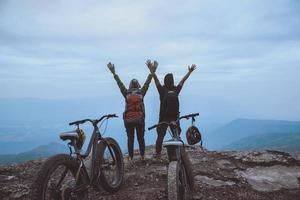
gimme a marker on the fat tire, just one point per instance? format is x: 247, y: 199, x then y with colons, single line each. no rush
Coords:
x: 41, y: 181
x: 187, y: 188
x: 173, y: 181
x: 102, y: 180
x: 188, y: 168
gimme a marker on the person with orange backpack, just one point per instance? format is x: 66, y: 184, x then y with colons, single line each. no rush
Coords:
x: 134, y: 114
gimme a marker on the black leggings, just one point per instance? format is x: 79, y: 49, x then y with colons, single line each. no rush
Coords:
x: 140, y: 131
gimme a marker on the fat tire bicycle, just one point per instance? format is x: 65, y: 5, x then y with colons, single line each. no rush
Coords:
x: 65, y: 177
x: 180, y: 172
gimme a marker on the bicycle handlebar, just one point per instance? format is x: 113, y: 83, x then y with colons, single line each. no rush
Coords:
x: 174, y: 122
x: 96, y: 121
x: 161, y: 123
x: 152, y: 127
x: 188, y: 116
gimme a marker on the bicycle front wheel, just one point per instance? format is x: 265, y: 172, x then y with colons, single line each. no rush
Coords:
x: 172, y: 181
x: 56, y: 180
x: 178, y: 187
x: 111, y: 165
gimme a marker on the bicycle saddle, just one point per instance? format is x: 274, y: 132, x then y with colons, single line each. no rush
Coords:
x: 70, y: 135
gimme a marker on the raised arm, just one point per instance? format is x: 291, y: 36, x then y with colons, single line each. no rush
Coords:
x: 191, y: 69
x: 122, y: 87
x: 157, y: 83
x: 146, y: 85
x: 152, y: 67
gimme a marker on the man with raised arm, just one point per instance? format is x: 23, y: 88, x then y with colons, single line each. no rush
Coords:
x: 169, y: 102
x: 134, y: 114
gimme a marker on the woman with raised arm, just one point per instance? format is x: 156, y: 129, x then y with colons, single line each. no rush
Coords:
x: 169, y: 102
x: 134, y: 114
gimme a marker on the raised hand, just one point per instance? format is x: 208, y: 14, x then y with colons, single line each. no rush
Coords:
x: 192, y: 67
x: 149, y: 64
x: 111, y: 67
x: 155, y: 64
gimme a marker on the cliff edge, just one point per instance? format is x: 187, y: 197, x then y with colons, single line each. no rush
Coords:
x: 253, y: 175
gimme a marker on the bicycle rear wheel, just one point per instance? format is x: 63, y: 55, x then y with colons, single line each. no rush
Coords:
x: 111, y: 165
x: 56, y: 180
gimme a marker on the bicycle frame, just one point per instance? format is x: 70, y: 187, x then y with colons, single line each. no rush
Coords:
x: 175, y: 143
x: 176, y: 152
x: 92, y: 146
x: 177, y: 156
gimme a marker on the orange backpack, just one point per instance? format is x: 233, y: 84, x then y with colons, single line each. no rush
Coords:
x: 135, y: 109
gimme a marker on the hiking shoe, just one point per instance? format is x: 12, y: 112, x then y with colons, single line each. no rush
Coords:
x: 128, y: 159
x: 156, y: 156
x: 142, y: 158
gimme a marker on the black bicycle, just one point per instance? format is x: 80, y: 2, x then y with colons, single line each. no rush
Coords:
x: 65, y: 177
x: 180, y: 172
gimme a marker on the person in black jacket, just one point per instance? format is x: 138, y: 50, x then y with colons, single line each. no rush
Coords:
x: 169, y: 103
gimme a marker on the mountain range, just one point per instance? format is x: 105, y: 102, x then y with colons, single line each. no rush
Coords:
x: 238, y: 133
x: 29, y: 123
x: 42, y: 151
x: 288, y: 142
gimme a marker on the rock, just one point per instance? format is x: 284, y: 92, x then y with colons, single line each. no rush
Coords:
x: 225, y: 164
x: 4, y: 178
x: 272, y: 178
x: 257, y: 175
x: 264, y: 157
x: 213, y: 182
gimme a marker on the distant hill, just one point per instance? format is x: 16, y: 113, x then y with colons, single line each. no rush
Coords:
x: 243, y: 128
x: 27, y: 123
x: 42, y: 151
x: 288, y: 142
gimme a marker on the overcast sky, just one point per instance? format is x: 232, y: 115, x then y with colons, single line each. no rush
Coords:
x: 247, y: 52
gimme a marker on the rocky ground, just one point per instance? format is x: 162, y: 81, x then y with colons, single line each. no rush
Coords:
x: 263, y: 175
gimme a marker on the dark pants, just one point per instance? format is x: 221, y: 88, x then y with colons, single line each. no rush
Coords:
x: 140, y: 131
x: 161, y: 132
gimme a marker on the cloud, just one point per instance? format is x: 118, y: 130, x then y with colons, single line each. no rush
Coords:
x: 51, y: 49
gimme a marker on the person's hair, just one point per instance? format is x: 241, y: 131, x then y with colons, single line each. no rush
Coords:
x: 169, y: 80
x: 134, y: 83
